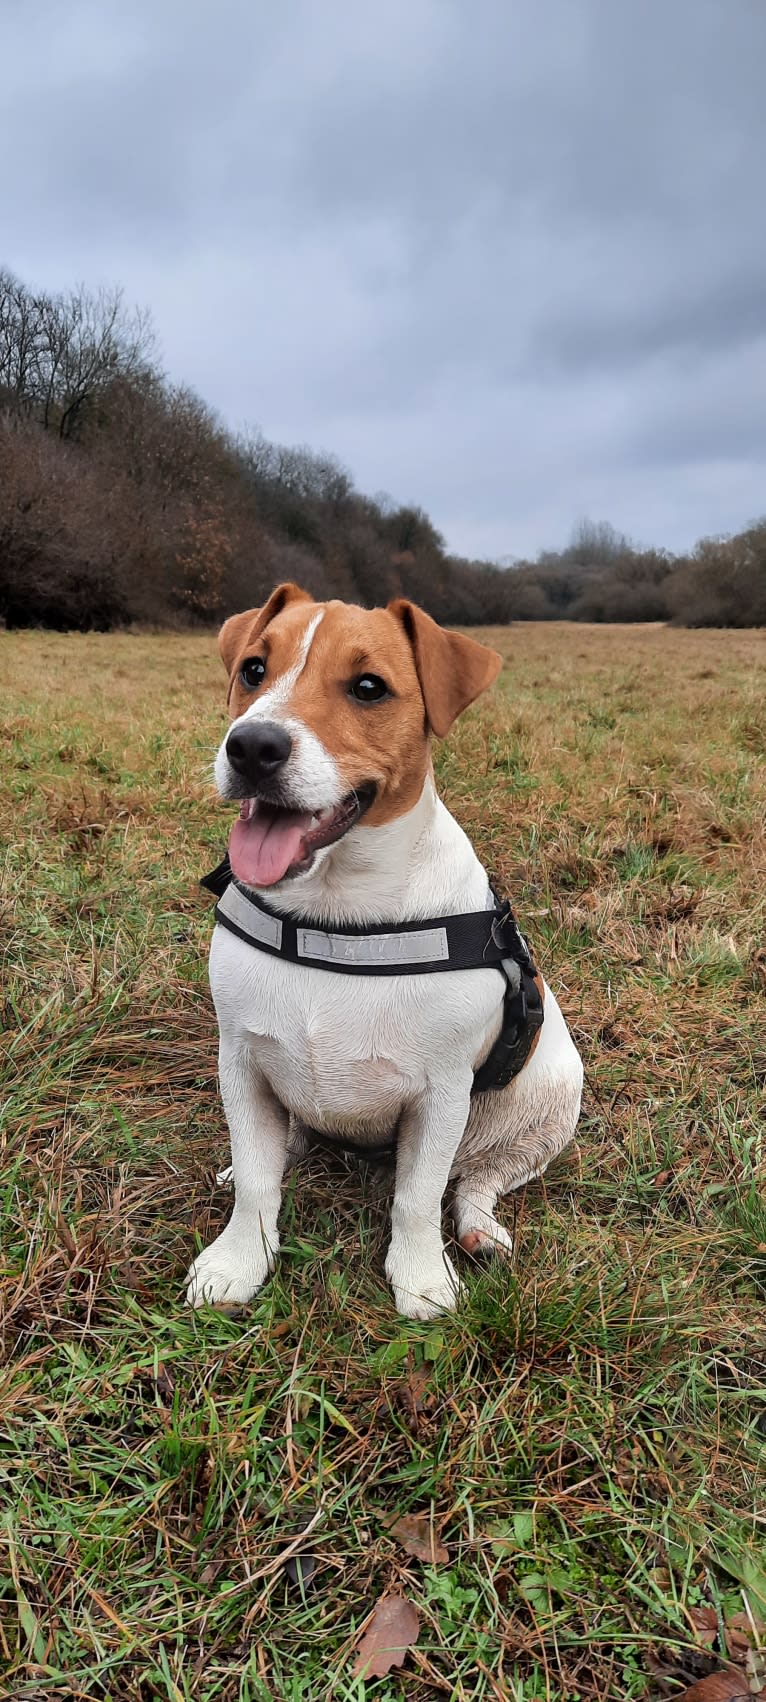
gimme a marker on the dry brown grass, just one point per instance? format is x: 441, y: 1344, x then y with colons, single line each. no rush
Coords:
x: 587, y: 1431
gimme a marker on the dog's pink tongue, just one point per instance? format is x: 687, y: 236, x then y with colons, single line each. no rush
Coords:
x: 262, y: 849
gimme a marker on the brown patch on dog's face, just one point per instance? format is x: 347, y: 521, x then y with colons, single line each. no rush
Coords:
x: 372, y: 734
x: 239, y: 635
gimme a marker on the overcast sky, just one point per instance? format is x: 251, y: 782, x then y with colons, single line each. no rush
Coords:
x: 506, y: 258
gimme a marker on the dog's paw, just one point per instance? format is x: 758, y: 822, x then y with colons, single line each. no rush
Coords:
x: 229, y: 1273
x: 491, y: 1239
x: 424, y: 1283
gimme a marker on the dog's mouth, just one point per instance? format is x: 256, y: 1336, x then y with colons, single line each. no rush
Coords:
x: 270, y: 843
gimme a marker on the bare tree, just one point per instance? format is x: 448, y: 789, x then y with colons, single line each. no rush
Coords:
x: 597, y: 541
x: 22, y: 345
x: 57, y: 352
x: 91, y: 340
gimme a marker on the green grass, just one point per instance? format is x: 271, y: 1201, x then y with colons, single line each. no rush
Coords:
x: 588, y: 1431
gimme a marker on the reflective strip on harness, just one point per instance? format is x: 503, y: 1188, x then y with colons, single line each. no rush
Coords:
x: 262, y: 928
x: 428, y: 945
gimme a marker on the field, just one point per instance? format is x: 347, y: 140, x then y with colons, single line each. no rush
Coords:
x: 583, y: 1438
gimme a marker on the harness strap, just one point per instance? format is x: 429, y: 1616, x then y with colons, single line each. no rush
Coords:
x: 523, y: 1016
x: 478, y: 940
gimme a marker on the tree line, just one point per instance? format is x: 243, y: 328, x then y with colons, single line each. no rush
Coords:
x: 123, y: 499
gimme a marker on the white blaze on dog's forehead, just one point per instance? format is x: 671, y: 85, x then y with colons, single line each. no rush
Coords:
x: 279, y: 693
x: 313, y: 779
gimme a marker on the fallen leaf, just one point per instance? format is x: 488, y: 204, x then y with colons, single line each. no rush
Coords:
x: 738, y: 1644
x: 719, y: 1687
x: 415, y: 1533
x: 411, y: 1397
x: 741, y: 1633
x: 393, y: 1630
x: 705, y: 1622
x: 687, y: 1666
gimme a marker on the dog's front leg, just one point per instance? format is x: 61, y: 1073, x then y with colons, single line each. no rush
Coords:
x: 234, y: 1266
x: 423, y: 1279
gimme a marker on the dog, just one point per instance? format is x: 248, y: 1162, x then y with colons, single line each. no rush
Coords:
x: 333, y: 709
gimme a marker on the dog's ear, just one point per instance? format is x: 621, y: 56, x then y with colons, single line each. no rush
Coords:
x: 251, y: 624
x: 452, y: 670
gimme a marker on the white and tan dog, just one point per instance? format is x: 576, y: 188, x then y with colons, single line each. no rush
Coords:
x: 329, y: 752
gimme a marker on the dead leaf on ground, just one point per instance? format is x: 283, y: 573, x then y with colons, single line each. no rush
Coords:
x: 687, y: 1666
x: 719, y: 1687
x: 705, y: 1622
x: 414, y: 1398
x: 742, y: 1634
x: 393, y: 1629
x: 415, y: 1532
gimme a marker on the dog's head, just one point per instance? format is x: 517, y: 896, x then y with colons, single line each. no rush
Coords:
x: 332, y: 709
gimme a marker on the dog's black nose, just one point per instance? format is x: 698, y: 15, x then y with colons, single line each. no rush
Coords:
x: 257, y: 749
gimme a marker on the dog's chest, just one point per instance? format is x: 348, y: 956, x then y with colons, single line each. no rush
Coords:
x: 343, y: 1050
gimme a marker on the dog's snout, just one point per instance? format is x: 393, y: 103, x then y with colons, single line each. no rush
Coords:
x: 256, y: 750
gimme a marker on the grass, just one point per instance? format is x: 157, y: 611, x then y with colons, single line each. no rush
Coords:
x: 586, y: 1433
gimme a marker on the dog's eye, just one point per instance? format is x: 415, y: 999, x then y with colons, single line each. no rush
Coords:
x: 251, y: 673
x: 368, y: 688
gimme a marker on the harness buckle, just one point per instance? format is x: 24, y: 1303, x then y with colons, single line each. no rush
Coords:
x: 533, y: 1009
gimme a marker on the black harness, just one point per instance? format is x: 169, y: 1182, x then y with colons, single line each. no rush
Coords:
x: 485, y: 939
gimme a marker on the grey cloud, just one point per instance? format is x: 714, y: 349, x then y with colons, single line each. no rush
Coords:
x: 507, y: 260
